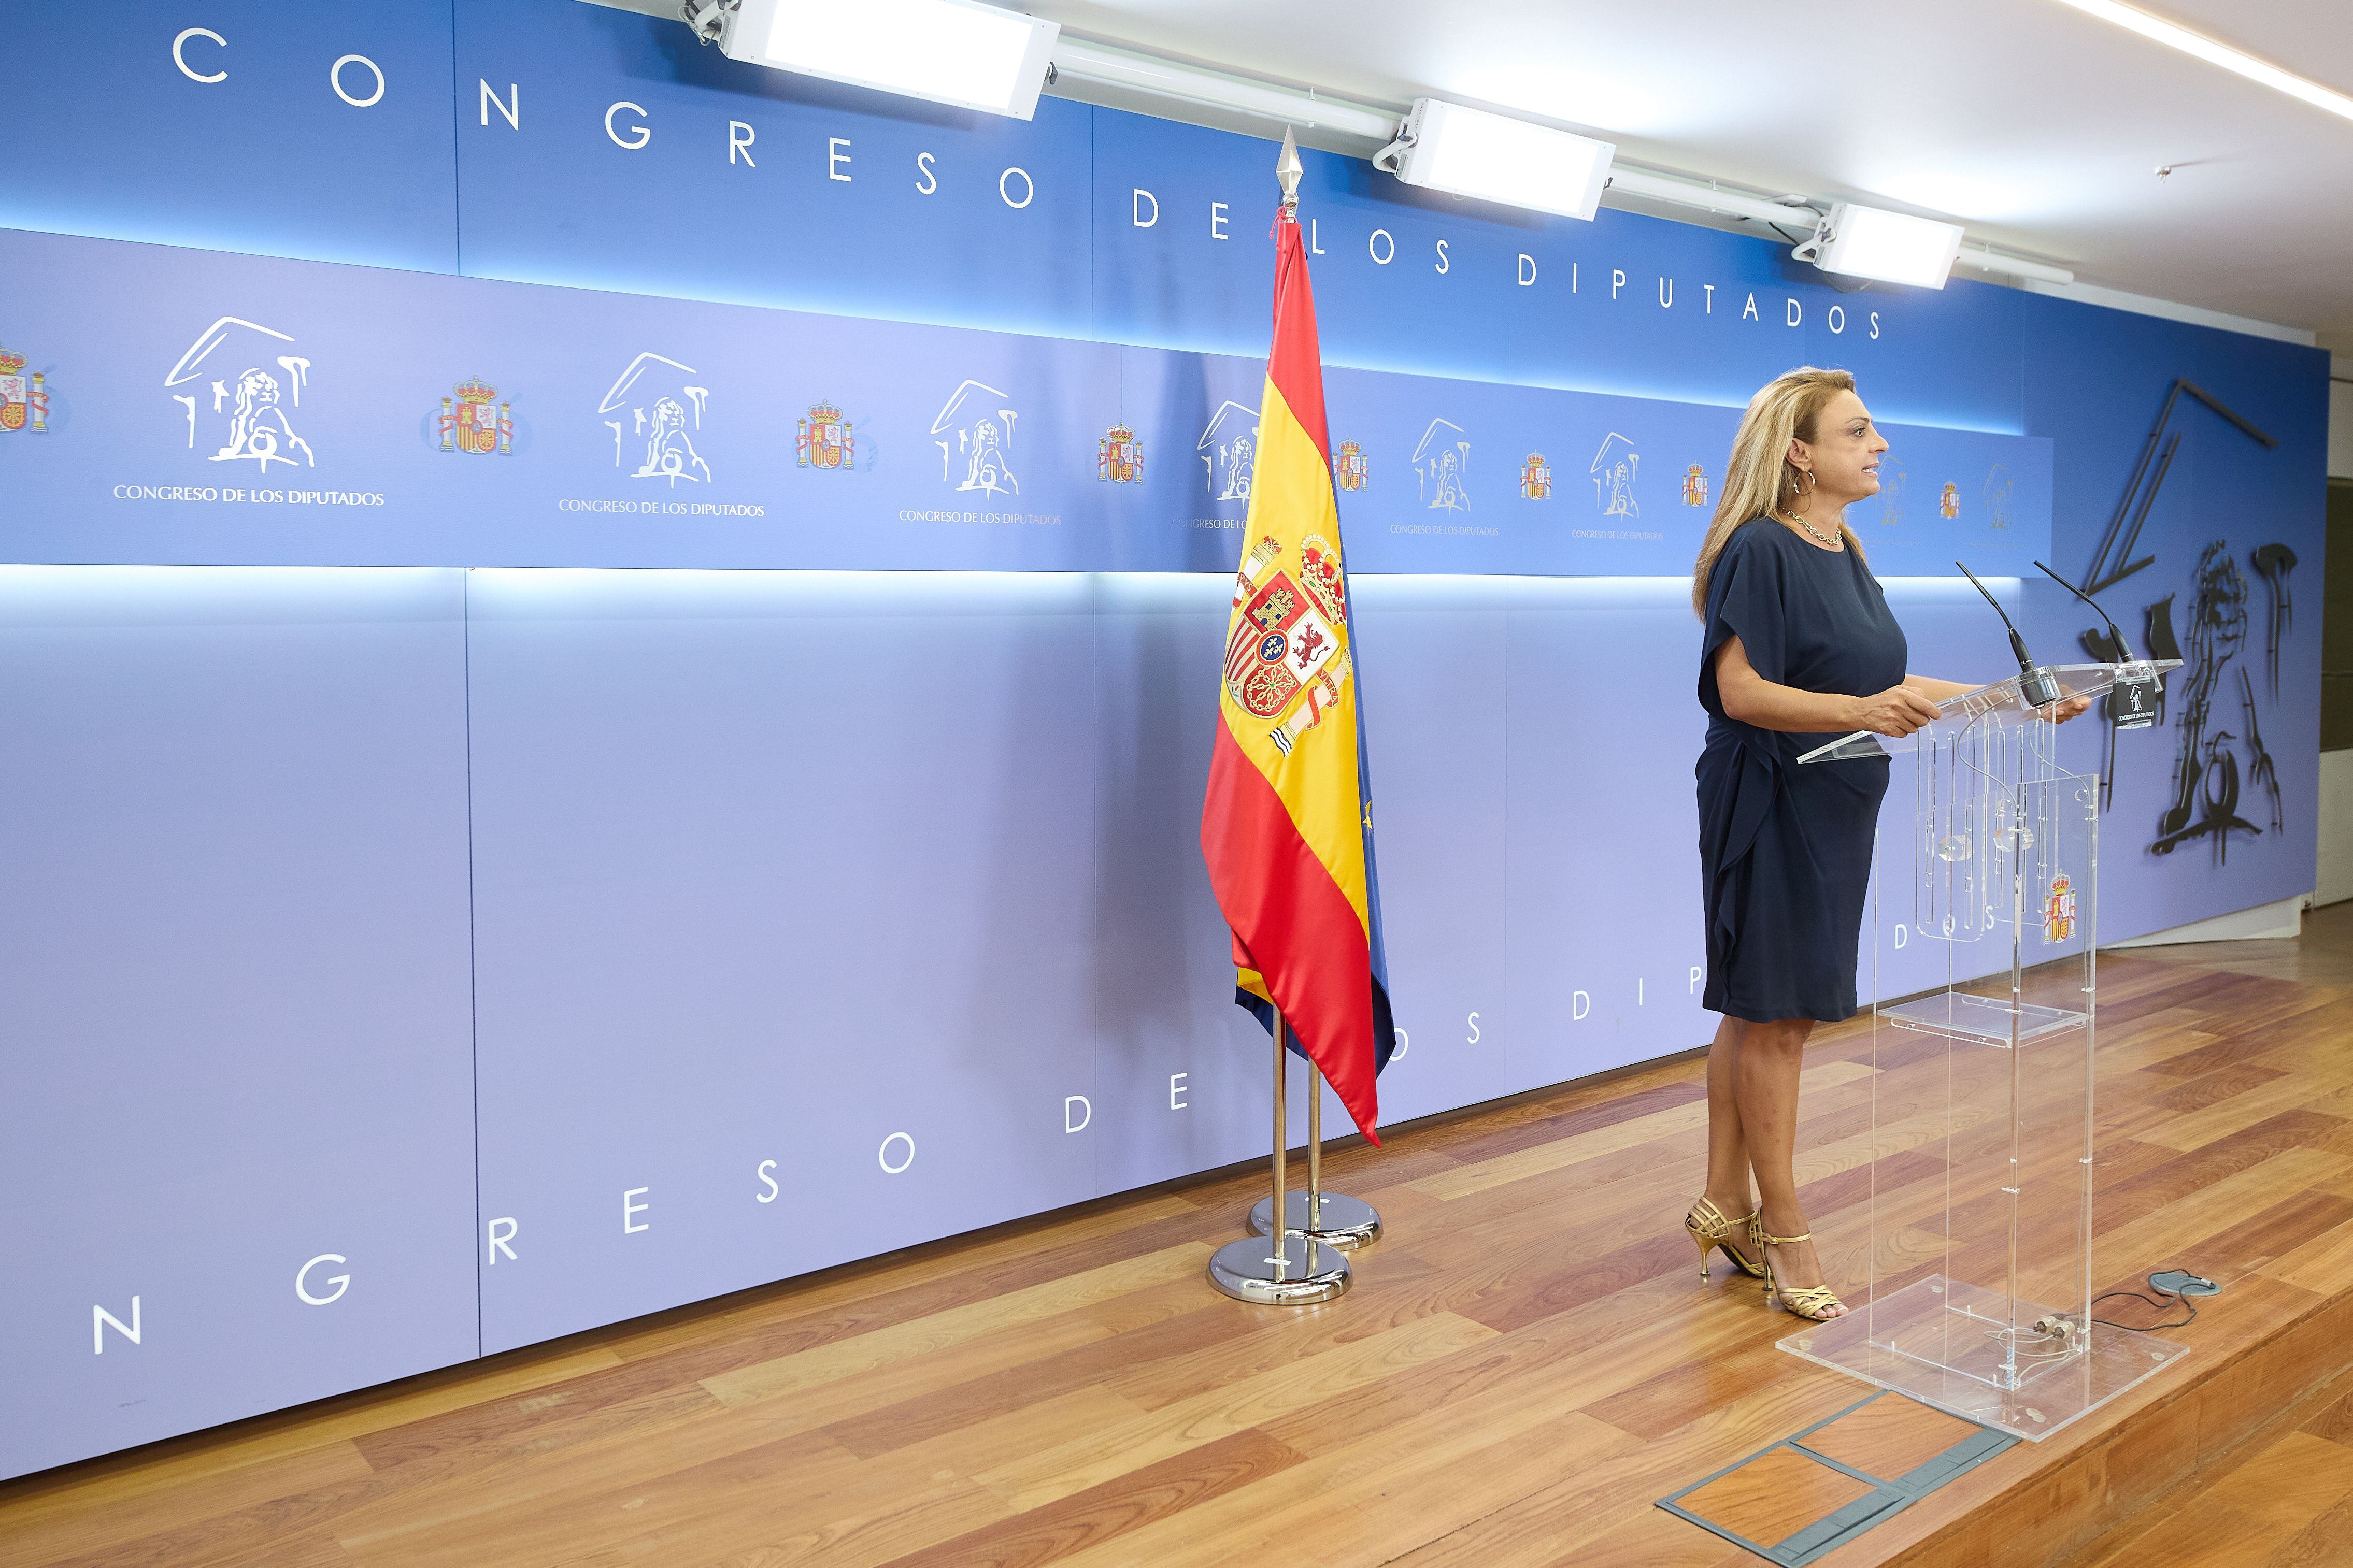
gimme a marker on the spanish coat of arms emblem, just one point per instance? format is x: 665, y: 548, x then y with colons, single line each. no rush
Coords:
x: 1948, y: 505
x: 474, y: 420
x: 1119, y: 457
x: 1285, y: 660
x: 825, y: 440
x: 2059, y: 909
x: 24, y: 399
x: 1348, y: 467
x: 1694, y: 486
x: 1536, y: 478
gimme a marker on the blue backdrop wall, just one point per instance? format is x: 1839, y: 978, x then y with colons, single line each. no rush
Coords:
x: 413, y: 945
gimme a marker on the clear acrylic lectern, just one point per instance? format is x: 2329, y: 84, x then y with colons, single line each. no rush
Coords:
x: 1978, y: 1277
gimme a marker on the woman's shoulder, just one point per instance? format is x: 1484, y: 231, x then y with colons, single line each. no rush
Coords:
x: 1759, y: 536
x: 1760, y: 532
x: 1752, y: 563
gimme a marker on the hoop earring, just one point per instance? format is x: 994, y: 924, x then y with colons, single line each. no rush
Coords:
x: 1807, y: 493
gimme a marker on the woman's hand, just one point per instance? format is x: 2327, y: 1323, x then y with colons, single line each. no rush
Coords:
x: 1898, y: 710
x: 2066, y: 708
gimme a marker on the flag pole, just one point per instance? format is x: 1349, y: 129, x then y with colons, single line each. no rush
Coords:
x: 1335, y: 1219
x: 1282, y: 1258
x: 1300, y: 1269
x: 1297, y: 1271
x: 1314, y: 1149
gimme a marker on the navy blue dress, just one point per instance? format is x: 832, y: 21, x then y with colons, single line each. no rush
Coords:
x: 1785, y: 849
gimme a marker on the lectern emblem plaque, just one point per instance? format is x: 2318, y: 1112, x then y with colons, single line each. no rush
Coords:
x: 2059, y: 909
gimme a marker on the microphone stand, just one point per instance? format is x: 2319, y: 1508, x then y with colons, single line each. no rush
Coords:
x: 2133, y: 702
x: 2036, y: 685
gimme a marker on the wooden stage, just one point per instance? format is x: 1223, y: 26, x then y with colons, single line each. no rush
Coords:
x: 1525, y: 1364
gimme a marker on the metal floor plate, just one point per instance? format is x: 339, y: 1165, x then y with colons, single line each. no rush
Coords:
x: 1886, y: 1497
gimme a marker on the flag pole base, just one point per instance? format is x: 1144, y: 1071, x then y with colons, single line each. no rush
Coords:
x: 1347, y: 1222
x: 1309, y: 1272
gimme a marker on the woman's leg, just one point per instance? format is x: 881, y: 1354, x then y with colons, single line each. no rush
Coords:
x: 1766, y: 1085
x: 1727, y: 1149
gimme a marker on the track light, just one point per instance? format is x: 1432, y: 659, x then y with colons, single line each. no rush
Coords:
x: 1868, y: 242
x: 1446, y: 147
x: 957, y: 52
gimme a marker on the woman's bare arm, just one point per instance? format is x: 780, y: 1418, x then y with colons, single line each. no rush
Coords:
x: 1769, y: 705
x: 1936, y: 690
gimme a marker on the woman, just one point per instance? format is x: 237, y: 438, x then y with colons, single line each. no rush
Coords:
x: 1800, y: 649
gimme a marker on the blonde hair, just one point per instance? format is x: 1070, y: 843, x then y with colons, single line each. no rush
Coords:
x: 1760, y: 479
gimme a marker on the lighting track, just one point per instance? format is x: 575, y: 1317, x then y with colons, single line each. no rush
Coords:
x: 1126, y: 69
x: 1109, y: 64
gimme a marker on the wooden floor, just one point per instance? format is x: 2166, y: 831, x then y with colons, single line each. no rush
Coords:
x: 1525, y: 1364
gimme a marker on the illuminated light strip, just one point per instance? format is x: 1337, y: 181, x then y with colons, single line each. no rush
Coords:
x: 2174, y: 36
x: 867, y: 578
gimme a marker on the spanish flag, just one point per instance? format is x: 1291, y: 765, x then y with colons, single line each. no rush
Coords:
x: 1287, y: 826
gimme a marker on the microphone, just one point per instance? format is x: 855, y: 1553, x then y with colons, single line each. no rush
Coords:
x: 2035, y: 684
x: 2132, y: 701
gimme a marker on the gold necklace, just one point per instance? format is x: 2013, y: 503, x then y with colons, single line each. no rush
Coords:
x: 1811, y: 533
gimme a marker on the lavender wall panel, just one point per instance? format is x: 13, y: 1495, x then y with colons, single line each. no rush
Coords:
x: 1602, y: 896
x: 1181, y: 1073
x: 233, y: 985
x: 784, y: 924
x: 1435, y: 675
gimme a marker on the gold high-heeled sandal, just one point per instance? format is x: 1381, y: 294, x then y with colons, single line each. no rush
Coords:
x: 1813, y: 1302
x: 1710, y: 1229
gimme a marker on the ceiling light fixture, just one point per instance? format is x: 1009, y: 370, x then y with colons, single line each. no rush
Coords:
x: 1893, y: 248
x: 957, y: 52
x: 1471, y: 153
x: 1135, y: 71
x: 2174, y: 36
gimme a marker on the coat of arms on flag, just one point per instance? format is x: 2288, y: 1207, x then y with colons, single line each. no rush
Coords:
x: 470, y: 423
x: 1119, y: 457
x: 1286, y: 661
x: 24, y: 399
x: 825, y: 439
